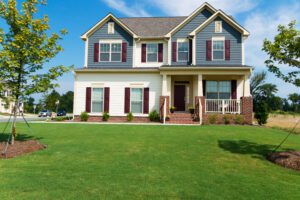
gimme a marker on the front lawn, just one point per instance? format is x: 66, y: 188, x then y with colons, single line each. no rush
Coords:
x: 149, y: 162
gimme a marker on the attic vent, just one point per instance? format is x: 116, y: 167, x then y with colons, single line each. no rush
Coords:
x: 111, y: 28
x: 218, y: 26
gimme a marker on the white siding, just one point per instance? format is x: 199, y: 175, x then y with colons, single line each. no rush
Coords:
x: 137, y: 60
x: 117, y: 84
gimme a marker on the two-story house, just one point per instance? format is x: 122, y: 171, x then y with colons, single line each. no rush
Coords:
x: 142, y: 64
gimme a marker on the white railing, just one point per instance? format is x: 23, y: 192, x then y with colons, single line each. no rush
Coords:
x: 232, y: 106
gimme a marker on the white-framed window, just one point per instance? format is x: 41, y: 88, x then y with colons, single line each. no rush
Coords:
x: 110, y: 51
x: 218, y: 49
x: 136, y: 100
x: 97, y: 100
x: 218, y: 89
x: 183, y: 51
x: 218, y: 26
x: 111, y: 28
x: 152, y: 52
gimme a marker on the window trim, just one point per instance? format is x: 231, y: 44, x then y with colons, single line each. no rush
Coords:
x: 218, y: 89
x: 147, y: 44
x: 221, y: 26
x: 212, y: 47
x: 112, y: 24
x: 110, y: 50
x: 92, y: 100
x: 188, y: 51
x: 141, y: 100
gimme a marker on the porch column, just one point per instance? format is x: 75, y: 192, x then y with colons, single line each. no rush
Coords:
x: 246, y: 88
x: 164, y: 89
x: 200, y: 86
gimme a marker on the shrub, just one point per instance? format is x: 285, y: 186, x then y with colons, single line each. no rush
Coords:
x: 191, y: 110
x: 84, y: 116
x: 227, y: 119
x: 239, y: 119
x: 154, y: 116
x: 105, y: 117
x: 212, y: 119
x: 172, y: 109
x: 129, y: 116
x: 59, y: 119
x: 261, y: 113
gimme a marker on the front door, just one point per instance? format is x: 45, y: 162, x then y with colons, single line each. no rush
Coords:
x: 179, y: 97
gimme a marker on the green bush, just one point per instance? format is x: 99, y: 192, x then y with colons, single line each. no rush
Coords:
x: 59, y: 119
x: 191, y: 110
x: 154, y: 116
x: 129, y: 116
x: 227, y: 119
x: 239, y: 119
x: 262, y: 113
x: 105, y: 117
x: 84, y: 116
x: 212, y: 119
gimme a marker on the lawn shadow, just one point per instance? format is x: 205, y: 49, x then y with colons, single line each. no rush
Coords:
x: 259, y: 151
x: 20, y: 137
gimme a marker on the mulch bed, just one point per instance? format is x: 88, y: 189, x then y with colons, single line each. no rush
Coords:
x: 20, y: 148
x: 288, y: 159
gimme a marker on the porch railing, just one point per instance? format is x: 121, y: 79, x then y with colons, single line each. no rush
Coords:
x: 223, y: 106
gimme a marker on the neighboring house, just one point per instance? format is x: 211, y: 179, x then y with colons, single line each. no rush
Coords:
x: 142, y: 64
x: 5, y: 107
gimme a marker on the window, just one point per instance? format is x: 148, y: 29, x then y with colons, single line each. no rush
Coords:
x: 97, y: 100
x: 183, y: 51
x: 111, y: 28
x: 110, y: 52
x: 136, y: 99
x: 218, y: 26
x: 218, y: 89
x: 152, y: 52
x: 218, y: 49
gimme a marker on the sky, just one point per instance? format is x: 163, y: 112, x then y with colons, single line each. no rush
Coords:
x: 260, y: 17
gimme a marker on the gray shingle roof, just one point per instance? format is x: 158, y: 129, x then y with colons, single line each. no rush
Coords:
x: 152, y: 26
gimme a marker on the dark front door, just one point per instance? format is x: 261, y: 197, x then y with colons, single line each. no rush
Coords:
x: 179, y: 96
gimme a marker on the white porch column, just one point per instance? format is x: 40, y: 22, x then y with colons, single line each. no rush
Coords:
x: 164, y: 89
x: 200, y: 86
x: 246, y: 89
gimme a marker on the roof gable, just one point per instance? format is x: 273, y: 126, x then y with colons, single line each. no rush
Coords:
x: 105, y: 20
x: 226, y: 18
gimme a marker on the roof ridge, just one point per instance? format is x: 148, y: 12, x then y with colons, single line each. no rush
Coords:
x: 152, y: 17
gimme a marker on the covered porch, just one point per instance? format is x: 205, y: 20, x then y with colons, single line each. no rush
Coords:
x: 207, y: 90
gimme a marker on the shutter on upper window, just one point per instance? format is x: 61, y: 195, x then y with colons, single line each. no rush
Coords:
x: 160, y: 52
x: 174, y: 51
x: 88, y: 99
x: 124, y: 52
x: 96, y: 52
x: 146, y: 101
x: 208, y: 50
x: 190, y: 52
x: 143, y: 53
x: 227, y: 49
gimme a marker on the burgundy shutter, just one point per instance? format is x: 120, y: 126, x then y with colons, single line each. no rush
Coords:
x: 106, y: 99
x: 227, y: 49
x: 146, y: 100
x: 174, y: 51
x: 208, y: 50
x: 204, y: 87
x: 88, y: 99
x: 190, y: 51
x: 127, y: 100
x: 233, y: 89
x: 96, y: 52
x: 124, y: 52
x: 160, y: 52
x: 144, y: 48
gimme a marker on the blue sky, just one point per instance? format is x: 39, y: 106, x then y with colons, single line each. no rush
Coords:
x: 260, y: 17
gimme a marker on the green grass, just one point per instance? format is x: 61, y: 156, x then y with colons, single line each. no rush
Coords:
x: 150, y: 162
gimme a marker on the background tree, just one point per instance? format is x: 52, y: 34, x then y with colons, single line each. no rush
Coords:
x: 51, y: 99
x: 66, y: 102
x: 285, y: 50
x: 24, y: 49
x: 29, y: 105
x: 295, y: 99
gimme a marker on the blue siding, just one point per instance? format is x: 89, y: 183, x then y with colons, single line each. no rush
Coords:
x: 188, y: 28
x: 100, y: 34
x: 230, y: 33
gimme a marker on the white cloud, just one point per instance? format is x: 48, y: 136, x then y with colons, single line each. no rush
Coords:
x: 134, y: 10
x: 175, y: 7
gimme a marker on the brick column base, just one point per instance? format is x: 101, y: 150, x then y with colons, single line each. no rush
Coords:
x: 247, y: 109
x: 161, y: 105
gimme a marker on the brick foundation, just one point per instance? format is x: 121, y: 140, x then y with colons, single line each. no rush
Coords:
x: 115, y: 119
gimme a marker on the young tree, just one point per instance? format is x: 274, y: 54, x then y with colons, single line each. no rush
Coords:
x: 285, y: 50
x: 24, y: 49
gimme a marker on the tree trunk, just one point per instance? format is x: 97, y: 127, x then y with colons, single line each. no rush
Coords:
x: 14, y: 125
